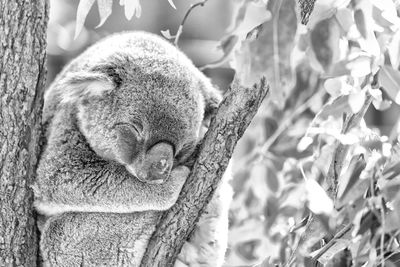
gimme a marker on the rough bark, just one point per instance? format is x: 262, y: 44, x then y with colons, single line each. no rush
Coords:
x: 23, y: 26
x: 306, y: 7
x: 234, y: 115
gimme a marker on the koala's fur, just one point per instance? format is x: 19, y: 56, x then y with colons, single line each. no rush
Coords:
x: 121, y: 120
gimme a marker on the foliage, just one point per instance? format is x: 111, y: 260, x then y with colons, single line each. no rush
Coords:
x: 131, y: 7
x: 314, y: 183
x: 327, y: 174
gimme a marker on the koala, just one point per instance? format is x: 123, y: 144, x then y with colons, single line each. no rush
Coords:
x: 121, y: 122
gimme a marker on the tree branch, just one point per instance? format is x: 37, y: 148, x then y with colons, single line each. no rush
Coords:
x: 234, y: 115
x: 180, y: 29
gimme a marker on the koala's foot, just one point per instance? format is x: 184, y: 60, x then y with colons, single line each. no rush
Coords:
x: 207, y: 246
x: 178, y: 263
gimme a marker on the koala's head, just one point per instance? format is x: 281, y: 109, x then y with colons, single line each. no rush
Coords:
x: 146, y: 119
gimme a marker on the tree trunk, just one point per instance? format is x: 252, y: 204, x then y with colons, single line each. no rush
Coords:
x: 23, y: 26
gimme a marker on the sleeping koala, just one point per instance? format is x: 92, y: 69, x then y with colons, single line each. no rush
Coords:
x: 121, y: 121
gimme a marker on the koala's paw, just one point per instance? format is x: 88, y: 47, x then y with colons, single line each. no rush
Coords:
x: 188, y: 256
x: 207, y: 246
x: 175, y: 183
x: 179, y: 263
x: 196, y: 255
x: 179, y: 175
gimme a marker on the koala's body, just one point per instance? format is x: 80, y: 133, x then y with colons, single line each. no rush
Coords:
x: 121, y: 120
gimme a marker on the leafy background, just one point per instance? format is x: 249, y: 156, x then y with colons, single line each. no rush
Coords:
x: 316, y: 176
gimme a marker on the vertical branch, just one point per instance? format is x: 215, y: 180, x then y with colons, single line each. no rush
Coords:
x: 275, y: 38
x: 23, y: 27
x: 234, y: 115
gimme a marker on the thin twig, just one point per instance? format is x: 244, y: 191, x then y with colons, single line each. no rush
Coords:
x: 341, y: 150
x: 338, y: 235
x: 391, y: 254
x: 259, y: 153
x: 286, y: 123
x: 382, y: 241
x: 275, y: 38
x: 292, y: 256
x: 180, y: 29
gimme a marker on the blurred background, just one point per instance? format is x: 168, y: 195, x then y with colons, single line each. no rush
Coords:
x: 201, y: 35
x: 202, y: 31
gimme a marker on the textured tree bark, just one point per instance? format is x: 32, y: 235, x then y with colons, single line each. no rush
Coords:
x: 306, y: 7
x: 23, y: 26
x: 234, y: 115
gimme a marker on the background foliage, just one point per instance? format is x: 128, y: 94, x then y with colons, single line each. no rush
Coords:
x: 317, y: 174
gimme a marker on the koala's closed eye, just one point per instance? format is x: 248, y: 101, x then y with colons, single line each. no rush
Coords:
x: 134, y: 128
x: 129, y: 141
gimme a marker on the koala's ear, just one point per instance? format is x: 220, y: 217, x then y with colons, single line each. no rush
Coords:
x: 212, y: 99
x: 81, y: 84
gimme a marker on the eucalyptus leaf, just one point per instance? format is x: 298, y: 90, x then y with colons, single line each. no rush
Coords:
x: 389, y: 79
x: 105, y: 9
x: 81, y: 14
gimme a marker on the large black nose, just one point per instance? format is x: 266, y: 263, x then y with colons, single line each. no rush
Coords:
x: 159, y: 171
x: 155, y: 167
x: 160, y: 158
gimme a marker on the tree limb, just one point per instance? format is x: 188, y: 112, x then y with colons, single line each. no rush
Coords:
x: 234, y: 115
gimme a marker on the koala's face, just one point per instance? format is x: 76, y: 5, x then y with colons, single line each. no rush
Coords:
x: 148, y: 123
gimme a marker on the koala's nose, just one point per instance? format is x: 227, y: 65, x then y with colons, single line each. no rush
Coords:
x: 161, y: 158
x: 156, y: 166
x: 160, y: 170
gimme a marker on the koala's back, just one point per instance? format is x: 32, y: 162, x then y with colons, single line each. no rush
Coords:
x: 145, y: 51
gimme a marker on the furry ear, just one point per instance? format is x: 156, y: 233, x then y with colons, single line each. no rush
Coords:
x: 212, y: 98
x: 81, y: 84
